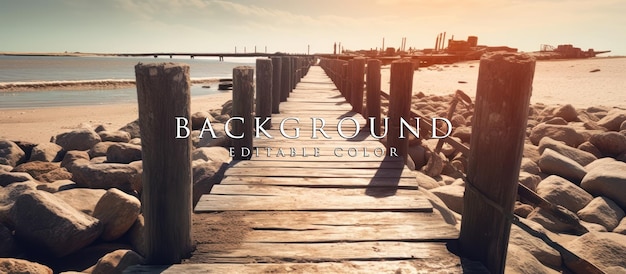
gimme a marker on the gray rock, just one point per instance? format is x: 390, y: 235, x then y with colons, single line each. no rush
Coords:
x: 537, y: 247
x: 562, y: 192
x: 205, y: 175
x: 579, y: 156
x: 562, y: 133
x: 123, y: 153
x: 463, y: 132
x: 613, y: 119
x: 531, y: 152
x: 71, y: 158
x: 621, y: 227
x: 114, y: 136
x: 211, y: 154
x: 78, y: 139
x: 452, y: 196
x: 418, y: 155
x: 602, y: 211
x: 599, y: 163
x: 82, y: 199
x: 45, y: 221
x: 8, y: 195
x: 519, y: 260
x: 100, y: 149
x: 117, y: 261
x: 47, y: 152
x: 10, y: 153
x: 556, y: 121
x: 589, y: 147
x: 609, y: 143
x: 554, y: 163
x: 567, y: 112
x: 57, y: 186
x: 522, y: 209
x: 426, y: 181
x: 529, y: 180
x: 199, y: 118
x: 549, y: 222
x: 55, y: 175
x: 15, y: 266
x: 221, y: 140
x: 529, y: 166
x: 7, y: 178
x: 117, y: 211
x: 36, y: 168
x: 136, y: 236
x: 607, y: 180
x: 133, y: 129
x: 135, y: 141
x: 5, y: 168
x: 98, y: 160
x: 434, y: 166
x: 105, y: 176
x: 603, y: 249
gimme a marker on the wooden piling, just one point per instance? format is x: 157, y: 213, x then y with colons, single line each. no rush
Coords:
x: 358, y: 71
x: 400, y: 91
x: 348, y: 81
x: 497, y: 142
x: 243, y: 96
x: 264, y: 90
x: 163, y: 94
x: 285, y: 78
x: 276, y: 84
x: 373, y: 93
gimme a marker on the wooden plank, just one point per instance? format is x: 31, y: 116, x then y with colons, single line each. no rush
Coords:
x: 323, y: 252
x: 407, y: 183
x: 321, y: 172
x: 413, y: 266
x: 210, y: 202
x: 279, y: 191
x: 313, y: 164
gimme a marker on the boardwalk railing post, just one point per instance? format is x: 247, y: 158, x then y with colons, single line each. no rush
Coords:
x: 373, y: 94
x: 285, y: 78
x: 345, y: 84
x: 358, y: 71
x: 400, y: 91
x: 498, y: 132
x: 243, y: 96
x: 264, y: 91
x: 167, y: 194
x: 349, y: 82
x: 276, y: 73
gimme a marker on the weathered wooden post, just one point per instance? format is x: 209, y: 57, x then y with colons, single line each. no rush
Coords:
x: 167, y: 194
x: 243, y: 95
x: 345, y: 84
x: 285, y: 78
x: 358, y: 72
x: 264, y: 90
x: 276, y: 73
x: 294, y: 79
x: 349, y: 82
x: 373, y: 94
x: 400, y: 91
x: 498, y: 132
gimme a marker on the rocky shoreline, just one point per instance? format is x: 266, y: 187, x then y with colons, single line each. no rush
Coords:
x: 73, y: 204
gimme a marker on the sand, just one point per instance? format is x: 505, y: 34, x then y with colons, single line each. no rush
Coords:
x: 38, y: 125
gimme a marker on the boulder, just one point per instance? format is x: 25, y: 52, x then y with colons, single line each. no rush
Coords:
x: 600, y: 162
x: 78, y: 139
x: 8, y: 195
x: 47, y: 152
x: 205, y: 175
x: 593, y: 226
x: 55, y: 175
x: 7, y: 178
x: 537, y: 247
x: 116, y: 262
x: 529, y: 166
x: 621, y: 227
x: 549, y: 222
x: 57, y: 186
x: 123, y: 153
x: 220, y: 140
x: 519, y: 260
x: 609, y: 143
x: 132, y: 128
x: 135, y: 141
x: 426, y: 181
x: 12, y: 265
x: 136, y: 236
x: 45, y: 221
x: 71, y: 158
x: 551, y: 162
x: 211, y: 154
x: 463, y: 132
x: 567, y: 112
x: 10, y: 153
x: 564, y: 133
x: 114, y: 136
x: 434, y: 166
x: 603, y: 249
x: 82, y: 199
x: 5, y: 168
x: 36, y: 168
x: 418, y: 155
x: 452, y: 196
x: 529, y: 180
x: 556, y: 121
x: 607, y: 180
x: 9, y: 246
x: 562, y: 192
x: 117, y: 211
x: 579, y: 156
x: 589, y: 147
x: 87, y: 258
x: 105, y: 176
x: 199, y: 118
x: 613, y: 119
x: 522, y: 209
x: 602, y: 211
x: 100, y: 149
x: 532, y: 152
x: 98, y: 160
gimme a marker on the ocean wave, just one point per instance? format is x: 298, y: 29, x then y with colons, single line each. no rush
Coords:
x: 81, y: 84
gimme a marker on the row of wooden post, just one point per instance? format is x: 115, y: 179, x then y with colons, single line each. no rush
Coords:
x: 498, y: 132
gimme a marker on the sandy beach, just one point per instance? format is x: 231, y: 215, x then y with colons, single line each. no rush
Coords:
x: 38, y: 125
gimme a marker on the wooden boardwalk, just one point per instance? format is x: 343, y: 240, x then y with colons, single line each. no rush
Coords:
x: 345, y: 210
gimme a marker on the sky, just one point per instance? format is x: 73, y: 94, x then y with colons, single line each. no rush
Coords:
x: 294, y: 26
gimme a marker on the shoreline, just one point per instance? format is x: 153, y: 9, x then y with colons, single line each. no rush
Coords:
x: 82, y: 84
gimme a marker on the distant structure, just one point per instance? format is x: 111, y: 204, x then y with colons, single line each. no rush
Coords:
x: 566, y: 51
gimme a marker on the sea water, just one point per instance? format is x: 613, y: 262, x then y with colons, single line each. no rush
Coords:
x: 60, y: 68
